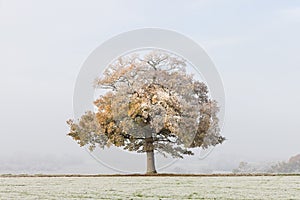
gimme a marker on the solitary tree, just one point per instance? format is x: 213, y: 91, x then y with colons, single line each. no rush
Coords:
x: 150, y: 103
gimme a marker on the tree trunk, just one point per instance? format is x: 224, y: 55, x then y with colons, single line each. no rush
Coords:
x: 150, y: 156
x: 150, y: 163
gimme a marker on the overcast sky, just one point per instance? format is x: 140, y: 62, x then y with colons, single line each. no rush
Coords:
x: 255, y: 46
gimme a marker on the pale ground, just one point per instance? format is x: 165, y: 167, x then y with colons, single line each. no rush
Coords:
x: 259, y: 187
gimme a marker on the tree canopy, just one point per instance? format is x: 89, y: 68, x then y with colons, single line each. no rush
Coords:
x: 150, y: 102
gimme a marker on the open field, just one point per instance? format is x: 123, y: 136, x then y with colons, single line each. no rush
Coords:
x: 150, y: 187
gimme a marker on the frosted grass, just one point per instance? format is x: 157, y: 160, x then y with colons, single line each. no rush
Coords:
x: 259, y: 187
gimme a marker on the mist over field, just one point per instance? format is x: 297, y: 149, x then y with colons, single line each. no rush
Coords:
x: 254, y: 45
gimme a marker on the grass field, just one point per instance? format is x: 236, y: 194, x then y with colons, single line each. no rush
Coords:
x: 151, y: 187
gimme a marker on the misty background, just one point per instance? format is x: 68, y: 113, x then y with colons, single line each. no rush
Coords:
x: 255, y: 46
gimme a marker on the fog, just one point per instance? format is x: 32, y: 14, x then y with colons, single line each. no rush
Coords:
x: 254, y: 45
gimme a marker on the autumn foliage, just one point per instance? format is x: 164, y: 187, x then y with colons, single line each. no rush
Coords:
x: 150, y: 103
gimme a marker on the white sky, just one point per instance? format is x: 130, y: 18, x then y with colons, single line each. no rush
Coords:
x: 255, y: 46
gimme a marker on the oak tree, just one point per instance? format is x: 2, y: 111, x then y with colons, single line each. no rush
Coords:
x: 150, y: 103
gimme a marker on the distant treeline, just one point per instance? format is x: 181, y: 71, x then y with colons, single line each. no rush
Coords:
x: 292, y: 166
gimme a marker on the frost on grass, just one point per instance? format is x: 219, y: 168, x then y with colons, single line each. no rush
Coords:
x: 259, y: 187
